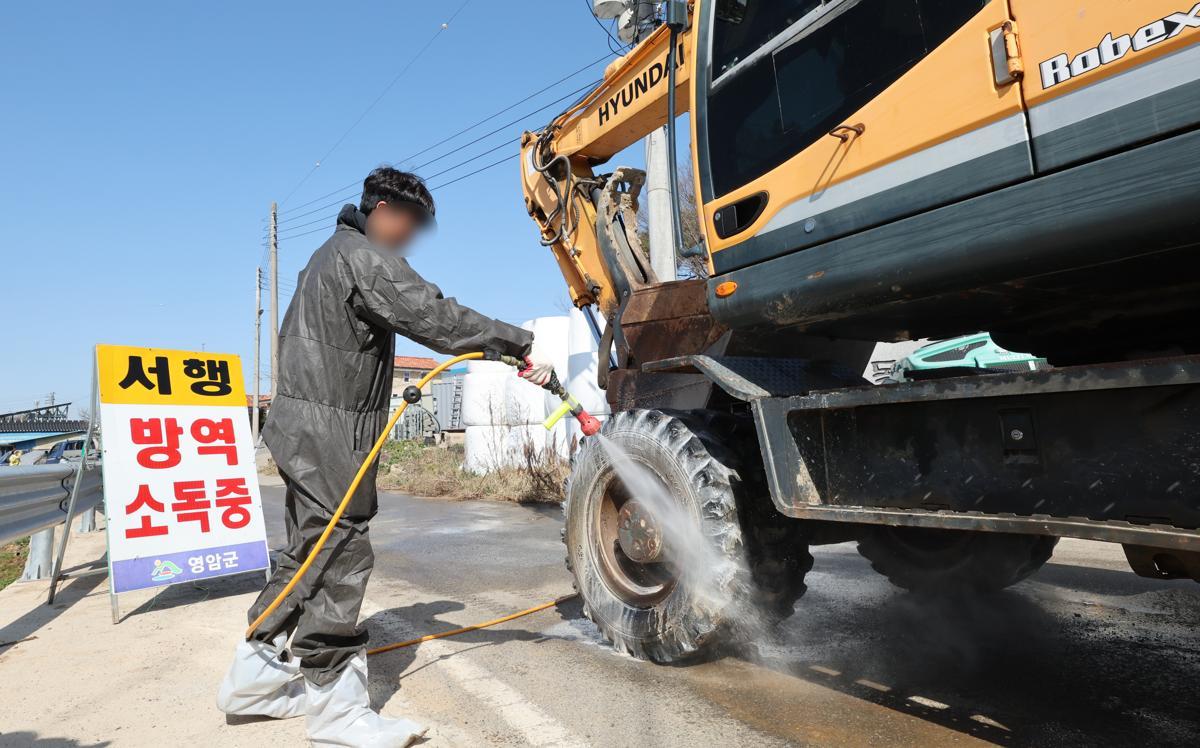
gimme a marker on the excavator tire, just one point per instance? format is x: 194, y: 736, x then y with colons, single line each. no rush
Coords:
x: 776, y: 546
x: 643, y: 608
x: 953, y: 562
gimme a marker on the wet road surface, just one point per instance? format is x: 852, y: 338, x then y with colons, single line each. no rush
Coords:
x: 1083, y: 653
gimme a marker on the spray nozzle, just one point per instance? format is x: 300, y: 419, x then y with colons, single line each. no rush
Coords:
x: 570, y: 406
x: 588, y: 423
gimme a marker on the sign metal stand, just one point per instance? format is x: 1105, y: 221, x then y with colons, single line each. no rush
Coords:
x: 176, y: 427
x: 93, y: 413
x: 256, y: 556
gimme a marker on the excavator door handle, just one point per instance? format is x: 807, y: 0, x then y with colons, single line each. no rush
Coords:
x: 846, y: 133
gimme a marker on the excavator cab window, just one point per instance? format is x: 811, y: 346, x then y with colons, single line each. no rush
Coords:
x: 732, y: 11
x: 788, y: 71
x: 747, y: 26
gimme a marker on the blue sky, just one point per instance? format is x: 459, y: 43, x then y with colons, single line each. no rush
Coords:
x: 142, y: 143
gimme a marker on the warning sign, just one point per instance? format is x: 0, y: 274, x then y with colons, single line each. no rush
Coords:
x: 180, y: 483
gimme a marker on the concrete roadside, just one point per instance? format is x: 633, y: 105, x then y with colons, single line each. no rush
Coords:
x: 860, y: 664
x: 72, y: 678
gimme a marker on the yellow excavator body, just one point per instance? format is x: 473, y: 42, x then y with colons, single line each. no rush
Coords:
x: 853, y: 160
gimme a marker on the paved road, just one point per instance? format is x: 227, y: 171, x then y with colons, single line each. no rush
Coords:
x: 1085, y: 653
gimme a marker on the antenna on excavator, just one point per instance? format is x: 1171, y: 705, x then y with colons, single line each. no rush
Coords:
x: 636, y: 18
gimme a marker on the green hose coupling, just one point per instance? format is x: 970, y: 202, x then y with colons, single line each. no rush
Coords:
x: 513, y: 361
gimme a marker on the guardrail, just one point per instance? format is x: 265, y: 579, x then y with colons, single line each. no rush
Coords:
x: 35, y: 497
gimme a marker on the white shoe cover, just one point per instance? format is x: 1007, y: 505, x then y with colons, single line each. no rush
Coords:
x: 259, y: 683
x: 340, y: 714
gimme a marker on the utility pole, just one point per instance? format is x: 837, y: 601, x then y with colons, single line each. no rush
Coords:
x: 274, y: 299
x: 659, y: 194
x: 257, y: 345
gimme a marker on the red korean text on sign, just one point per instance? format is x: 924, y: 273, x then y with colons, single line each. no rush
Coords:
x: 234, y: 497
x: 209, y: 433
x: 191, y: 503
x: 144, y: 500
x: 162, y: 434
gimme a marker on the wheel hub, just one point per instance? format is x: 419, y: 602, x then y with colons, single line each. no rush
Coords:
x: 639, y: 535
x: 629, y: 547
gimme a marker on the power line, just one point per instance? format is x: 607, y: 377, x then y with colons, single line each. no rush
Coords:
x: 506, y: 144
x: 306, y: 233
x: 434, y: 188
x: 463, y: 131
x: 505, y: 160
x: 357, y: 187
x: 323, y: 221
x: 514, y: 105
x: 507, y: 125
x: 478, y: 156
x: 378, y: 99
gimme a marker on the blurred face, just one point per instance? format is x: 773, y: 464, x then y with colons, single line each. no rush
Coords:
x: 393, y: 226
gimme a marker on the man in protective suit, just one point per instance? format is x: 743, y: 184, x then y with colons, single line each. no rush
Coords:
x: 335, y: 383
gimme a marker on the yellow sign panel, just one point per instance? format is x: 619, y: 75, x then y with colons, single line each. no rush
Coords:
x: 154, y: 376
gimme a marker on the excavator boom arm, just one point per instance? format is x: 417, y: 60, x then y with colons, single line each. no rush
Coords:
x: 562, y: 191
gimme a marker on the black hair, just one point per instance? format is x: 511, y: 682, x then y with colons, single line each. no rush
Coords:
x: 396, y: 187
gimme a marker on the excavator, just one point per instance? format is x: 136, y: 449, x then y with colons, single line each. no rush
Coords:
x: 874, y: 171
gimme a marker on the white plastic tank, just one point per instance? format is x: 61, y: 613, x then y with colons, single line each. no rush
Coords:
x: 484, y: 448
x: 552, y: 335
x: 503, y: 413
x: 558, y: 440
x: 526, y: 400
x: 485, y: 395
x: 491, y: 448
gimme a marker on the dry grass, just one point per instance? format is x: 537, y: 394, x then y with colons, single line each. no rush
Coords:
x: 12, y: 561
x: 414, y: 469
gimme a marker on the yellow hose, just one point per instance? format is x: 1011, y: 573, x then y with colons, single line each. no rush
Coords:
x: 466, y: 629
x: 362, y: 471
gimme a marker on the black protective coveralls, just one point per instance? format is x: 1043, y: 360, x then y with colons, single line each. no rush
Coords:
x: 335, y: 383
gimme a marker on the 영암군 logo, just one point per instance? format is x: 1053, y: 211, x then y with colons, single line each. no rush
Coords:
x: 165, y: 571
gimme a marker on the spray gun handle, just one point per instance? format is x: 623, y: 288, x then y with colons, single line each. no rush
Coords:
x: 522, y: 365
x: 553, y: 385
x: 559, y: 413
x: 572, y: 407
